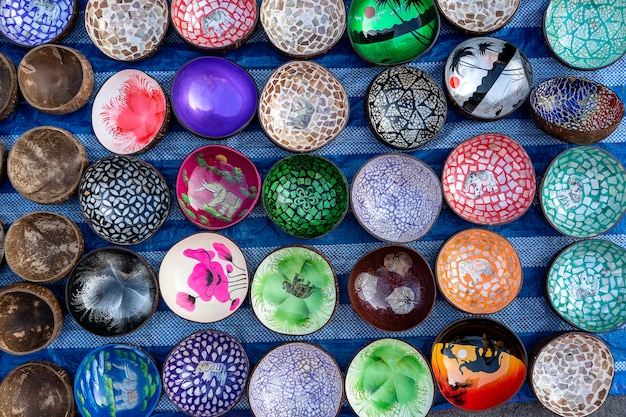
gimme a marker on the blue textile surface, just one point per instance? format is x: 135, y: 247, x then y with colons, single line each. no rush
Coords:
x: 534, y: 239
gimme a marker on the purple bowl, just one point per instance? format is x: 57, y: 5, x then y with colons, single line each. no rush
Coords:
x: 213, y: 97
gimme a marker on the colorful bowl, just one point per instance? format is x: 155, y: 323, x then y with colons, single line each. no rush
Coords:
x: 305, y: 195
x: 478, y: 363
x: 598, y: 32
x: 213, y: 97
x: 572, y: 373
x: 489, y: 180
x: 294, y: 290
x: 478, y: 271
x: 8, y: 87
x: 576, y: 110
x: 124, y: 199
x: 217, y: 187
x: 405, y: 107
x: 30, y: 23
x: 303, y: 106
x: 391, y: 33
x: 487, y: 78
x: 130, y: 112
x: 392, y: 288
x: 586, y: 285
x: 117, y: 380
x: 583, y: 192
x: 111, y: 292
x: 206, y: 374
x: 478, y: 18
x: 303, y: 30
x: 296, y: 379
x: 396, y: 197
x: 389, y: 378
x: 215, y: 26
x: 204, y: 277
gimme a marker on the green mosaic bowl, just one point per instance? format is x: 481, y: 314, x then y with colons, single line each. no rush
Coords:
x: 305, y: 195
x: 582, y: 193
x: 586, y: 285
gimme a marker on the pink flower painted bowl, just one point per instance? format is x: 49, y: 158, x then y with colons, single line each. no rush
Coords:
x: 204, y: 277
x: 130, y: 113
x: 217, y: 187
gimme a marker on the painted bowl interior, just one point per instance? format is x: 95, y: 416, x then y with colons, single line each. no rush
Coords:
x: 296, y: 370
x: 388, y: 378
x: 478, y: 363
x: 215, y: 26
x: 294, y: 291
x: 392, y: 288
x: 183, y: 277
x: 586, y: 285
x: 31, y: 23
x: 478, y: 271
x: 217, y: 187
x: 489, y: 180
x: 396, y: 197
x: 130, y: 112
x: 305, y: 195
x: 576, y: 110
x: 583, y: 192
x: 478, y: 18
x: 111, y: 291
x: 119, y: 380
x: 600, y: 32
x: 213, y: 97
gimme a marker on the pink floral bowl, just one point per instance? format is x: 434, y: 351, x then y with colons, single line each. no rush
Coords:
x: 217, y: 187
x: 204, y: 277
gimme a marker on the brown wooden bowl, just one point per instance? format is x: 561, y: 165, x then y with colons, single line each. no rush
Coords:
x: 55, y: 79
x: 8, y: 87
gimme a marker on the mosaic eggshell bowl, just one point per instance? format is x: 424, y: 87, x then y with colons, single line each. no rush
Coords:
x: 303, y: 29
x: 396, y: 197
x: 392, y: 33
x: 478, y: 17
x: 213, y: 97
x: 206, y: 374
x: 215, y: 26
x: 134, y: 29
x: 576, y: 110
x: 30, y: 23
x: 8, y: 89
x: 294, y: 290
x: 487, y: 78
x: 392, y: 288
x: 389, y: 378
x: 111, y: 292
x: 296, y: 379
x: 117, y: 380
x: 583, y: 192
x: 217, y: 187
x: 571, y: 374
x: 303, y: 106
x: 599, y: 38
x: 478, y: 363
x: 478, y: 271
x: 204, y: 277
x: 306, y: 196
x: 489, y: 180
x: 405, y: 107
x: 586, y: 285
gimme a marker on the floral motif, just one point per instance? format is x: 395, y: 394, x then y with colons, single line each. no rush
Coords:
x: 307, y: 197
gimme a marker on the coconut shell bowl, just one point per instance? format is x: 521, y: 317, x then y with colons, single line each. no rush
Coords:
x: 8, y: 88
x: 217, y: 187
x: 478, y: 18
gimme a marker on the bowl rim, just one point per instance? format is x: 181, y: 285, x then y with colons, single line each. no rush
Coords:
x: 466, y: 31
x: 12, y: 100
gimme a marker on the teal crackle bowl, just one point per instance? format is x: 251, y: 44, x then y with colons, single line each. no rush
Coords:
x: 583, y: 192
x: 305, y: 195
x: 586, y: 285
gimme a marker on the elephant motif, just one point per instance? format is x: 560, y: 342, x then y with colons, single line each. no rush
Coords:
x: 477, y: 269
x: 218, y: 20
x: 227, y: 201
x: 481, y: 180
x: 572, y: 196
x: 126, y: 394
x: 210, y: 369
x: 300, y: 113
x: 47, y: 11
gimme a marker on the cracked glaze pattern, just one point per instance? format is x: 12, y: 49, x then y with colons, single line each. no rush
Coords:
x: 478, y: 17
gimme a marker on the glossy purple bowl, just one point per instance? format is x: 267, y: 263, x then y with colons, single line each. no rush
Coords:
x: 213, y: 97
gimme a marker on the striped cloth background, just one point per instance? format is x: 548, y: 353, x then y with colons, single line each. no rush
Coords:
x: 536, y: 242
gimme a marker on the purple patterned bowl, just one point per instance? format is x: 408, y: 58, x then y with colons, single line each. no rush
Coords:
x: 213, y: 97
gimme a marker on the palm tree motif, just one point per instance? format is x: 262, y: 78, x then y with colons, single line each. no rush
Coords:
x: 427, y: 16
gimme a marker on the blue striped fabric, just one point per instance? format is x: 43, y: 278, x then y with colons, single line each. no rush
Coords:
x: 536, y: 242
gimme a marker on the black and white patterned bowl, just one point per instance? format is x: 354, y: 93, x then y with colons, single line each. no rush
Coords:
x: 124, y: 199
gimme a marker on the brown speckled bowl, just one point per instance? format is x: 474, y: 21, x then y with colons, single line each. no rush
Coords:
x: 43, y: 247
x: 30, y: 318
x: 8, y: 87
